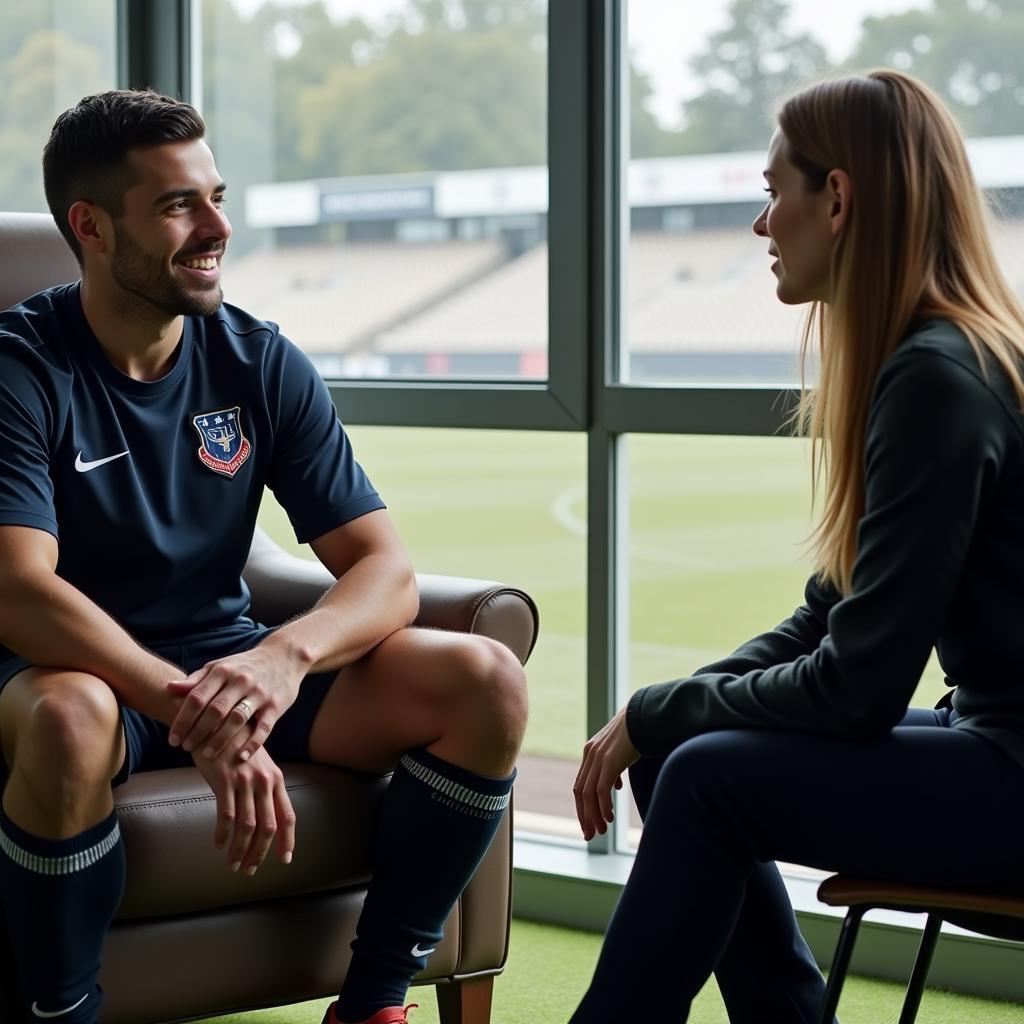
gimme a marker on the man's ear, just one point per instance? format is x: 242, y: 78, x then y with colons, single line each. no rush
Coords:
x: 840, y: 195
x: 92, y: 226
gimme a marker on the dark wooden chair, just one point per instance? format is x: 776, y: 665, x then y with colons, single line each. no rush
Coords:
x: 986, y: 913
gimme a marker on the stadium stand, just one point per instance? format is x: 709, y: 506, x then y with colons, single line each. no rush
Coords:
x: 700, y: 299
x: 338, y: 299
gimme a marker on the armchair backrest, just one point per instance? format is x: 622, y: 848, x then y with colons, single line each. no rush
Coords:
x: 34, y: 256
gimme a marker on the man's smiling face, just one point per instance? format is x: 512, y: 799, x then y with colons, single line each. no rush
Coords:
x: 171, y: 235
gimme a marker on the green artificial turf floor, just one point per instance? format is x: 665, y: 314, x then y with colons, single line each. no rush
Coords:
x: 549, y: 968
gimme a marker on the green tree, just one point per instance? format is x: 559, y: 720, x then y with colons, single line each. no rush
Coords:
x: 50, y: 56
x: 347, y: 98
x: 48, y: 73
x: 405, y: 111
x: 744, y: 69
x: 646, y: 136
x: 969, y: 51
x: 529, y: 16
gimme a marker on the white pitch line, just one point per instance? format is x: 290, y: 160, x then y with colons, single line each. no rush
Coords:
x: 562, y: 512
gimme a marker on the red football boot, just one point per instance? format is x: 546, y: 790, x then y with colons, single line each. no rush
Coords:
x: 389, y: 1015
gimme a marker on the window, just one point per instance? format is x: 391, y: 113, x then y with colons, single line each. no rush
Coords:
x: 700, y: 302
x: 392, y: 224
x: 668, y: 349
x: 52, y: 52
x: 508, y: 506
x: 718, y: 551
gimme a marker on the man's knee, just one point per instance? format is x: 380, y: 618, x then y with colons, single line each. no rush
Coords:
x: 493, y: 679
x: 68, y: 721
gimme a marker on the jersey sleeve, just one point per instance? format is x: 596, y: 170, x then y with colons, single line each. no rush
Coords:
x: 937, y: 438
x: 28, y: 420
x: 313, y: 472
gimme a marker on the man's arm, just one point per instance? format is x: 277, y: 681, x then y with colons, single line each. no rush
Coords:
x: 375, y: 595
x: 54, y: 625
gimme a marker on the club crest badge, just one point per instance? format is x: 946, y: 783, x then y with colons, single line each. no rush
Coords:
x: 222, y: 445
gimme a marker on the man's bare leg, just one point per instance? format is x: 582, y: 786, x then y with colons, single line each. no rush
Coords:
x: 61, y: 857
x: 461, y: 696
x: 450, y: 711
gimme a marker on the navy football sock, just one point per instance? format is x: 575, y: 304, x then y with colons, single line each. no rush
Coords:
x: 436, y: 824
x: 59, y: 896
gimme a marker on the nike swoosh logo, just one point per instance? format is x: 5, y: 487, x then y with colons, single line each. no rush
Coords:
x: 416, y: 951
x: 84, y: 467
x: 57, y: 1013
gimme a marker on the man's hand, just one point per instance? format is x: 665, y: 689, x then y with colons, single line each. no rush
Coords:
x: 230, y: 705
x: 252, y: 807
x: 605, y: 757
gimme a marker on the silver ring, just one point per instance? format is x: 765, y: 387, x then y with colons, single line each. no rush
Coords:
x: 247, y: 708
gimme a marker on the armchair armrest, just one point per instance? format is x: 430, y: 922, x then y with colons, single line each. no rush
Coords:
x: 284, y: 585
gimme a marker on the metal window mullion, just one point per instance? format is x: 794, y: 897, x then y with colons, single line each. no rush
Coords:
x: 450, y: 404
x: 568, y: 134
x: 607, y: 527
x: 154, y: 45
x: 749, y: 411
x: 615, y: 364
x: 607, y: 619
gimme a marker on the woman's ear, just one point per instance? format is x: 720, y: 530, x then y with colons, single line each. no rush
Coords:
x: 840, y: 195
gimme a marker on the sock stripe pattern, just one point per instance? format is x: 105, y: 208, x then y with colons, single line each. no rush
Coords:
x: 67, y: 865
x: 480, y: 805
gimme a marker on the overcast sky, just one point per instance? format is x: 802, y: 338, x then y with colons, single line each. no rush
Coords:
x: 665, y: 33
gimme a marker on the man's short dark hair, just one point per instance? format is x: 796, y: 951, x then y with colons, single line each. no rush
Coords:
x: 86, y: 156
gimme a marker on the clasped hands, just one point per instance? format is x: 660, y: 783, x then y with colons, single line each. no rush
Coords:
x: 606, y: 755
x: 228, y: 709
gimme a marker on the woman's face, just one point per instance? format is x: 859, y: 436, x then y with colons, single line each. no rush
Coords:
x: 801, y: 228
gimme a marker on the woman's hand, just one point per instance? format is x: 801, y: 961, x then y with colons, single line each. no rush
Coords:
x: 232, y: 704
x: 605, y: 757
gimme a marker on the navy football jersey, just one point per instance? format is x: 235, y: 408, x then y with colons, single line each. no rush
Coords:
x: 152, y: 487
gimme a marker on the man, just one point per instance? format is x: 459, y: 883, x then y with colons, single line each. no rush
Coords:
x: 139, y: 423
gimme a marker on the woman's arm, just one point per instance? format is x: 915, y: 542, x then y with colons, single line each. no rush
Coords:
x: 800, y: 634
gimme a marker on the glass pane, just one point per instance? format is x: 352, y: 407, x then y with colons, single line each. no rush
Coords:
x: 700, y: 300
x: 52, y: 53
x: 717, y: 550
x: 507, y: 506
x: 390, y: 224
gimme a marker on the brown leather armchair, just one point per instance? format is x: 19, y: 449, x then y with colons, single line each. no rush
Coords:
x: 193, y: 940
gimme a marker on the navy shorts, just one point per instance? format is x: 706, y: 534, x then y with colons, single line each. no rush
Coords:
x: 146, y: 746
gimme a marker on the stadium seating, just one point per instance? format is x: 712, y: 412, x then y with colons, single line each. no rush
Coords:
x: 339, y: 298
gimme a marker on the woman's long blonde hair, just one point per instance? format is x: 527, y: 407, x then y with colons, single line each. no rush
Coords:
x: 915, y: 245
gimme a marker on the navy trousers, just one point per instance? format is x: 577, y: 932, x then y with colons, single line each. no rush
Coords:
x: 925, y: 803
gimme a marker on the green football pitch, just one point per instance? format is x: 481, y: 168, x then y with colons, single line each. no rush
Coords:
x: 717, y: 552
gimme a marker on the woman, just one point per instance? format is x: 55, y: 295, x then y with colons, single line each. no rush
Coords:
x: 800, y: 746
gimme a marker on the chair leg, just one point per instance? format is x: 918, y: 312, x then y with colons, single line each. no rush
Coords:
x: 915, y: 988
x: 465, y: 1002
x: 840, y: 963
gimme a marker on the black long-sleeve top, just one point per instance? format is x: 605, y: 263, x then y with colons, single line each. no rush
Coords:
x: 940, y: 563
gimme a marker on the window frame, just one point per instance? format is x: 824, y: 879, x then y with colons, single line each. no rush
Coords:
x: 557, y: 880
x: 587, y: 137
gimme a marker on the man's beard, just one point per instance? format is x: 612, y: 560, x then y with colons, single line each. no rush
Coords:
x: 146, y: 277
